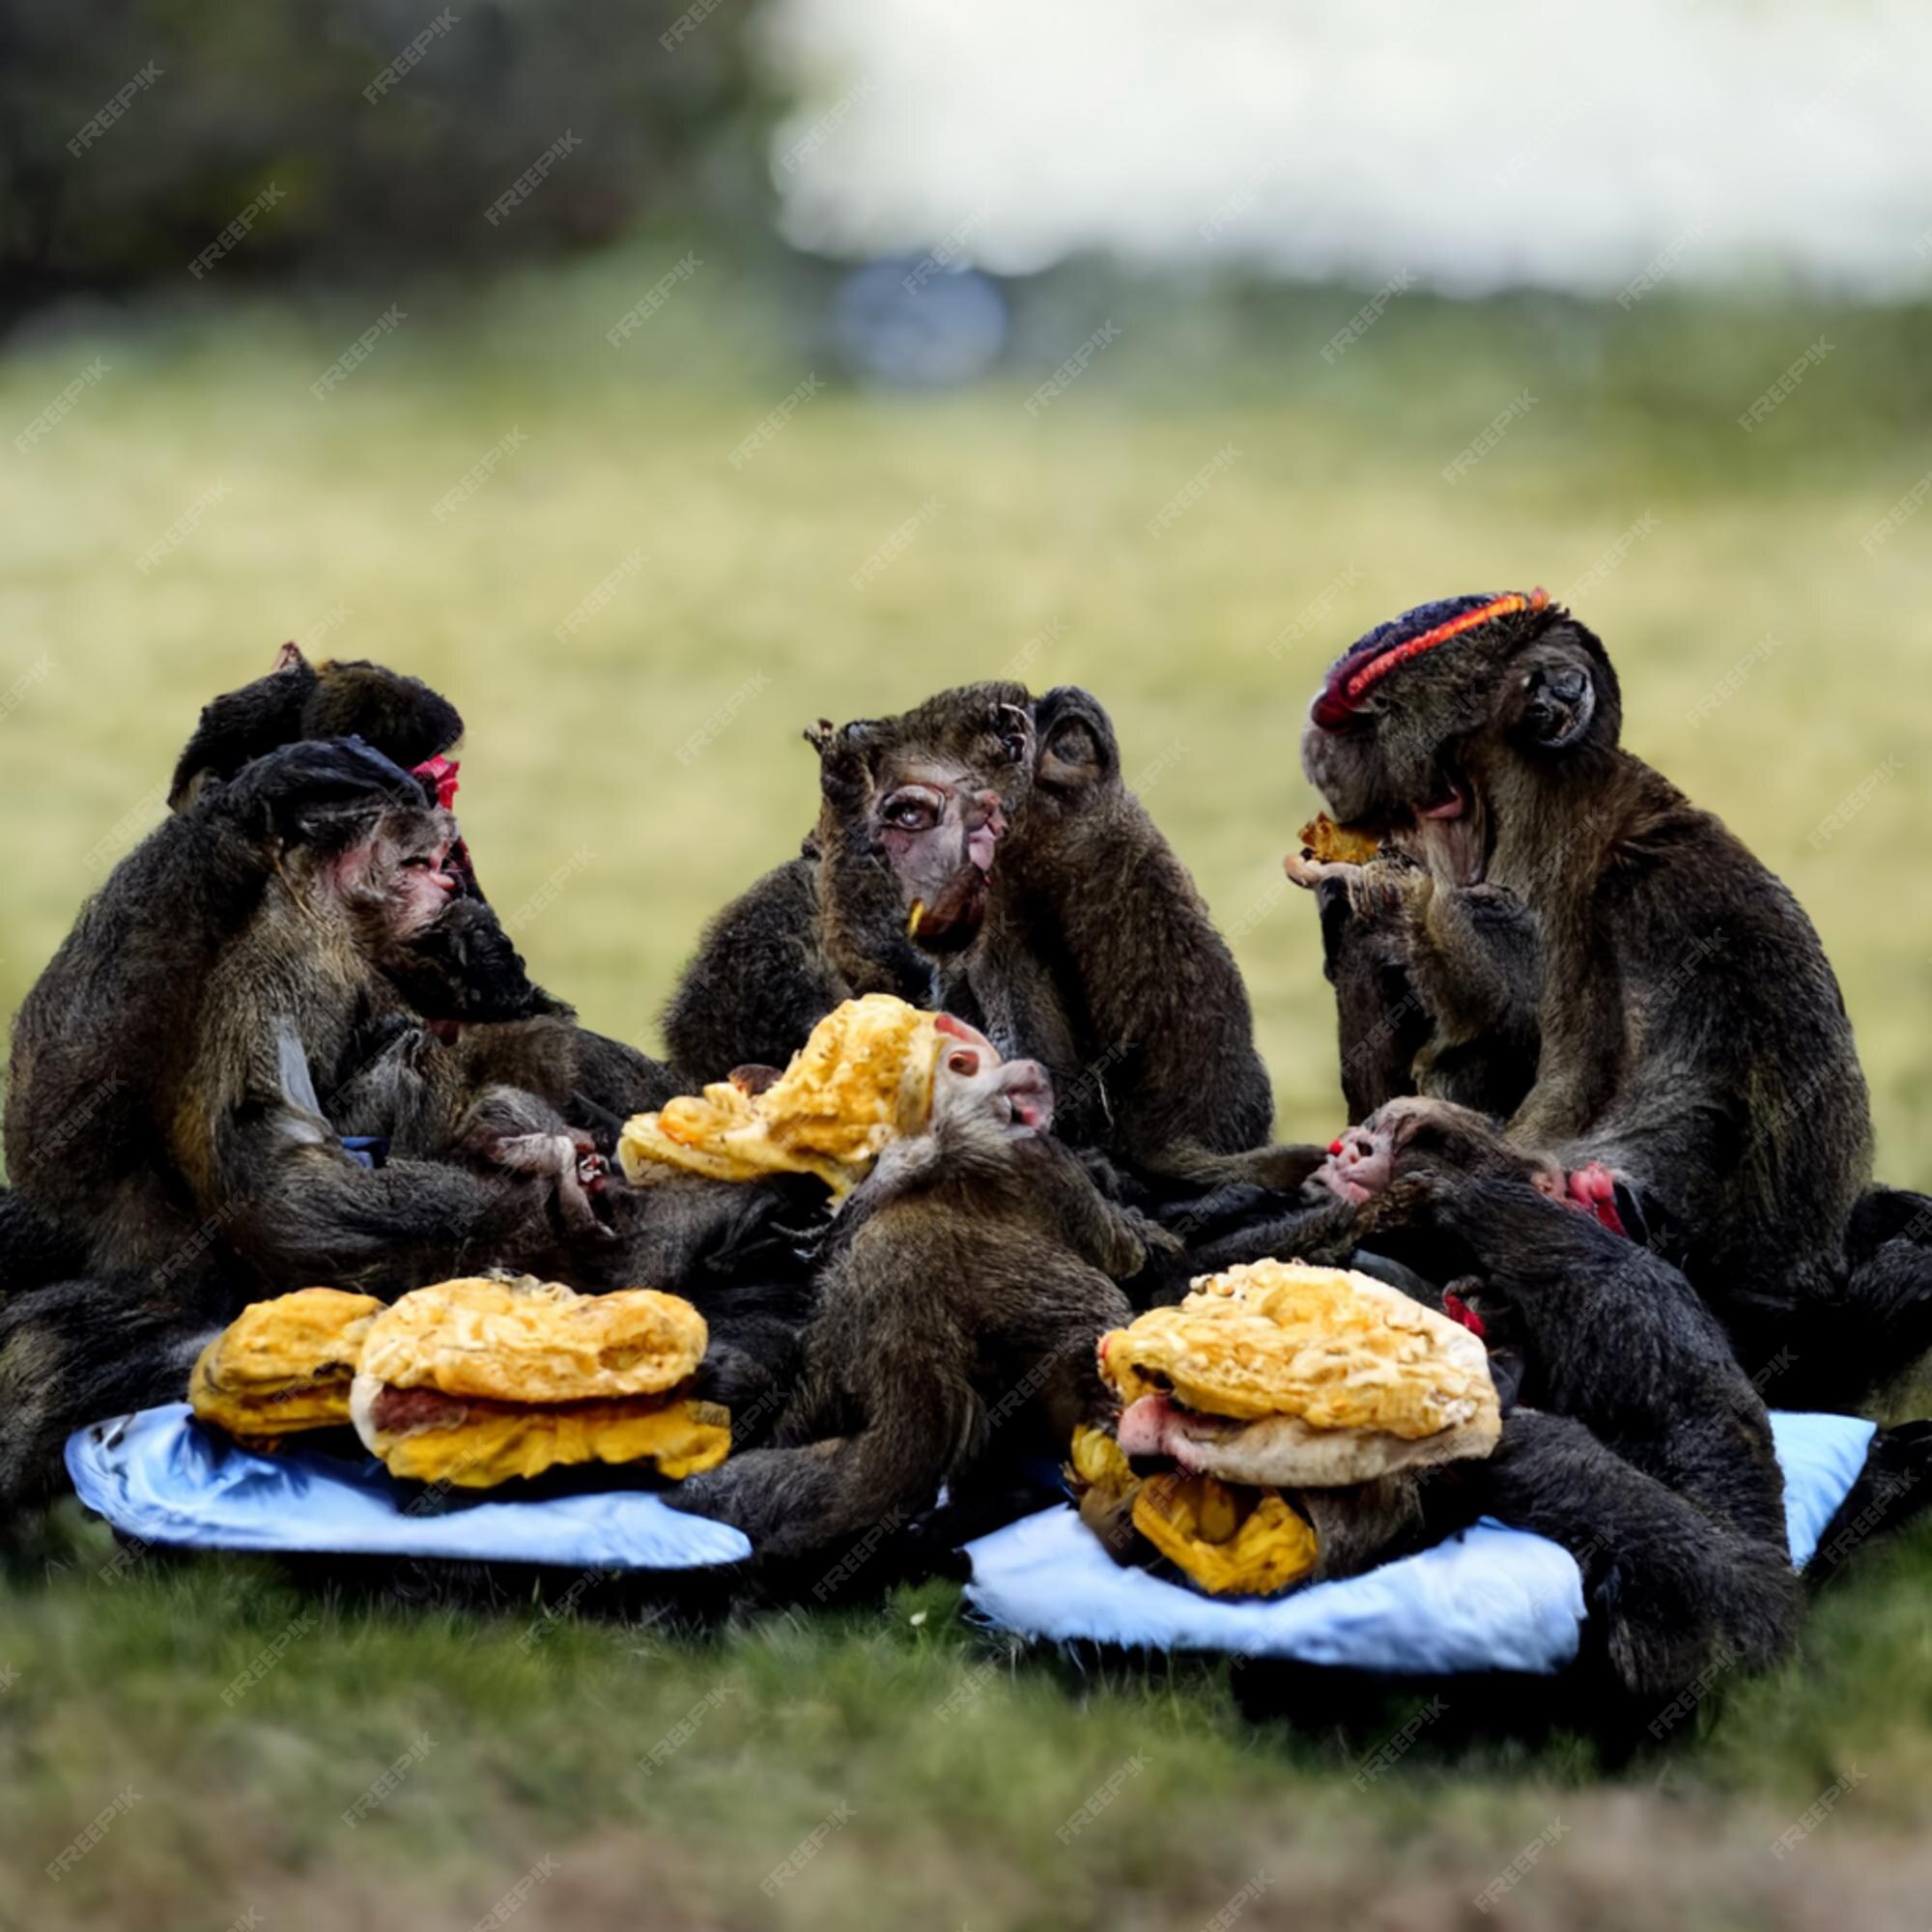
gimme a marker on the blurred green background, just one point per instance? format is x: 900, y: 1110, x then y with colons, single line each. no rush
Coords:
x: 629, y: 767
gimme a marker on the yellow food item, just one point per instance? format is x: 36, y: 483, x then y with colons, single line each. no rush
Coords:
x: 1232, y: 1542
x: 475, y: 1382
x: 486, y: 1446
x: 1337, y: 1350
x: 863, y: 1079
x: 534, y: 1342
x: 1098, y: 1462
x: 1338, y: 844
x: 283, y: 1365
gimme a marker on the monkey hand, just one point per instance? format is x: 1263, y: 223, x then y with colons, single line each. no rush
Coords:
x: 307, y: 790
x: 1384, y: 887
x: 1417, y: 1200
x: 466, y: 967
x: 845, y: 780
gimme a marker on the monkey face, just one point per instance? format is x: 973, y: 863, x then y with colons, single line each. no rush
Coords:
x: 1418, y: 1135
x: 973, y: 1083
x: 1434, y: 727
x: 935, y: 790
x: 398, y: 875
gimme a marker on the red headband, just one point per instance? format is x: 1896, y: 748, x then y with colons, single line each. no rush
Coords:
x: 1345, y: 694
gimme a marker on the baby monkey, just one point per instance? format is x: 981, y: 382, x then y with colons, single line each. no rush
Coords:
x: 965, y: 1285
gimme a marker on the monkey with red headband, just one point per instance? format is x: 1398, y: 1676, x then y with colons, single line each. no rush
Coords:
x: 1554, y: 933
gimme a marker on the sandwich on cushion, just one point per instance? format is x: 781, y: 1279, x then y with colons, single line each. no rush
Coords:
x: 283, y: 1367
x: 476, y: 1383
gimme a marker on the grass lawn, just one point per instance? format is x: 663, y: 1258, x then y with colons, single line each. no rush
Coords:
x: 624, y: 778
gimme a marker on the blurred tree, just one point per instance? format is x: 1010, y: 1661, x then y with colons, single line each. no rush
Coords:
x: 132, y: 132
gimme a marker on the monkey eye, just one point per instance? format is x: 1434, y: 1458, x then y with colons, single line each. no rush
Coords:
x: 912, y: 812
x: 963, y: 1060
x: 421, y: 862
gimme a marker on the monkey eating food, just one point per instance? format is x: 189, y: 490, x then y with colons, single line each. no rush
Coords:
x: 1556, y: 935
x: 164, y: 1114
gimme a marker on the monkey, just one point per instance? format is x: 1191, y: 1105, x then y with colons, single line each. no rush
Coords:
x: 983, y: 854
x: 1668, y: 997
x: 163, y: 1117
x: 960, y: 1298
x: 1635, y: 1439
x: 830, y: 925
x: 462, y: 970
x: 1437, y: 987
x: 464, y: 967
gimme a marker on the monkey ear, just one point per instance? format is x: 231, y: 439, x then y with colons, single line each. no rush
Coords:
x: 1077, y: 748
x: 1555, y: 703
x: 290, y: 658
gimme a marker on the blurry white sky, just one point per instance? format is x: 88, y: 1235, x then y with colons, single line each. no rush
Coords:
x: 1474, y: 143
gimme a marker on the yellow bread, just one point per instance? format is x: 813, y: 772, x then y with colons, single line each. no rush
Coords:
x: 283, y: 1365
x: 1231, y: 1542
x: 1332, y: 1348
x: 477, y: 1450
x: 863, y: 1079
x: 534, y: 1342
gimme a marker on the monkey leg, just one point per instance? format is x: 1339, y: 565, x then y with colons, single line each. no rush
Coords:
x: 920, y: 1417
x: 79, y: 1351
x: 1671, y: 1591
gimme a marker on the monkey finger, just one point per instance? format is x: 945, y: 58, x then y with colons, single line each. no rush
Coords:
x: 1304, y: 870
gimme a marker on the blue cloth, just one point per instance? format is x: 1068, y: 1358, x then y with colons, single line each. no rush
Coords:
x: 162, y: 1477
x: 1490, y: 1598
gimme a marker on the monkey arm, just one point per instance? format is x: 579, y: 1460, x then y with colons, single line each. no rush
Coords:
x: 1382, y: 1019
x: 861, y: 917
x: 1475, y: 963
x: 307, y: 1214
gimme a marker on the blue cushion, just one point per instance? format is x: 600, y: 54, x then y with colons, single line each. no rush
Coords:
x: 162, y: 1477
x: 1490, y: 1598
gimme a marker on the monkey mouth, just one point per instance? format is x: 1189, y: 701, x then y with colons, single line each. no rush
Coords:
x: 1028, y: 1099
x: 952, y: 922
x: 1451, y: 832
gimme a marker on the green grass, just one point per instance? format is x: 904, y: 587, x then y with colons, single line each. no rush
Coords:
x: 573, y: 791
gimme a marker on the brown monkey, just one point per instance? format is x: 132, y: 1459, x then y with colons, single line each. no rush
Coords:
x: 163, y: 1114
x: 987, y: 846
x: 1099, y: 958
x: 1636, y: 1440
x: 967, y: 1282
x: 1688, y: 1033
x: 462, y: 966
